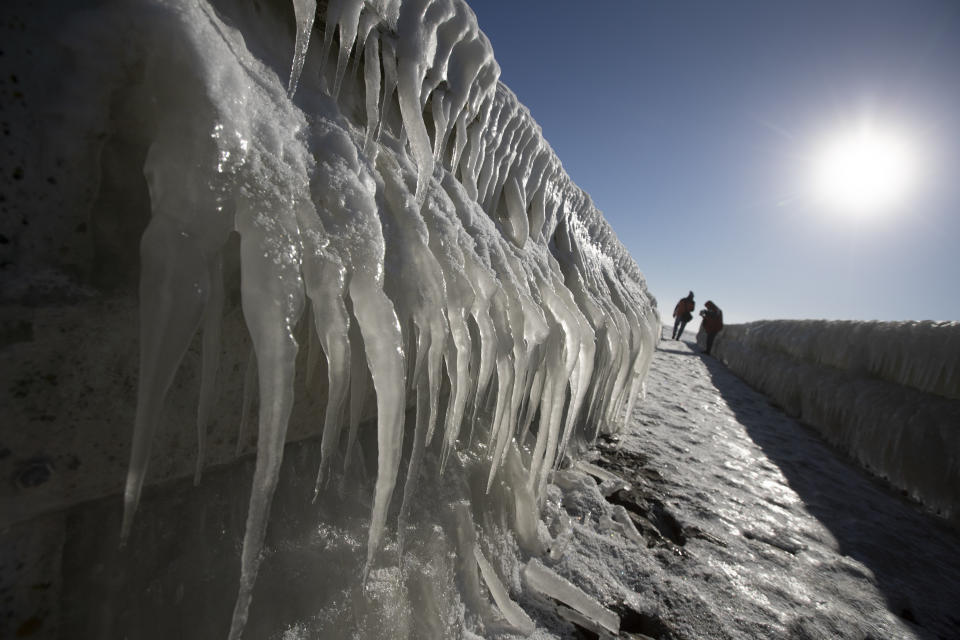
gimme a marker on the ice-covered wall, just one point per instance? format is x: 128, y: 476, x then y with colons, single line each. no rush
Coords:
x: 888, y: 393
x: 352, y: 177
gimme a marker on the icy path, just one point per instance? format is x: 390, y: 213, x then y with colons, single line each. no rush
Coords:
x: 754, y: 528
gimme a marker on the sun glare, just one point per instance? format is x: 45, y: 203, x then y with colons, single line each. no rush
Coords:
x: 864, y: 172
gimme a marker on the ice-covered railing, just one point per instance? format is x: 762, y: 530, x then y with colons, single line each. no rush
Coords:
x: 397, y: 200
x: 886, y: 392
x: 912, y: 354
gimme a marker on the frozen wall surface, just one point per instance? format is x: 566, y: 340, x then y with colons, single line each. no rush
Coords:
x: 886, y: 392
x: 328, y: 220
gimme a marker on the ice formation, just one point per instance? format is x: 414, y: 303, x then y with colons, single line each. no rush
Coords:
x: 888, y: 393
x: 396, y: 205
x: 580, y: 607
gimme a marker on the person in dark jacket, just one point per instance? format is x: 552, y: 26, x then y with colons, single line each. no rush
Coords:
x: 712, y: 322
x: 683, y: 313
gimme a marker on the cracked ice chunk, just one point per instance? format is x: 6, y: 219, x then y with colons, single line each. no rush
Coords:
x: 545, y: 582
x: 511, y: 610
x: 599, y: 473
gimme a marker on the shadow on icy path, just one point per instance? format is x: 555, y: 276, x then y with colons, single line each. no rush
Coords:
x: 914, y: 557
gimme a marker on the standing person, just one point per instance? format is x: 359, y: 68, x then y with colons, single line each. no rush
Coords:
x: 683, y: 313
x: 712, y: 322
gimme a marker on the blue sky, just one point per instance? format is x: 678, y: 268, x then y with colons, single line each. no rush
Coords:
x: 693, y: 126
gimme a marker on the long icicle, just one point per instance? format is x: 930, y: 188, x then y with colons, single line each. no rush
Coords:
x: 273, y: 300
x: 249, y: 390
x: 305, y: 12
x: 383, y: 342
x: 212, y: 321
x: 171, y: 308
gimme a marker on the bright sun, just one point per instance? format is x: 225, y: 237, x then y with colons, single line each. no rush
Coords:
x: 864, y: 172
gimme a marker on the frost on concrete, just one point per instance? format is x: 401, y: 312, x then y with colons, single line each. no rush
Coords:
x: 888, y: 393
x: 355, y: 176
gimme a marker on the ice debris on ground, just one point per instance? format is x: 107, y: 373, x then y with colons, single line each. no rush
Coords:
x: 511, y: 610
x: 585, y: 610
x: 394, y: 201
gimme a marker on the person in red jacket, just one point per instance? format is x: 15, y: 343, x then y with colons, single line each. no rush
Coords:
x: 712, y: 322
x: 683, y: 313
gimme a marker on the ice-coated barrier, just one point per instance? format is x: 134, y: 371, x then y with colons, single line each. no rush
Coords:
x: 352, y: 176
x: 888, y: 393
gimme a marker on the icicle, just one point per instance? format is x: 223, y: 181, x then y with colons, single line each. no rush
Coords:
x: 623, y: 363
x: 416, y: 29
x: 174, y: 289
x: 475, y: 146
x: 636, y: 383
x: 448, y: 243
x: 499, y: 430
x: 496, y: 344
x: 434, y: 362
x: 359, y: 388
x: 457, y: 365
x: 314, y: 351
x: 457, y: 69
x: 584, y: 356
x: 383, y: 343
x: 451, y: 30
x: 272, y: 296
x: 212, y: 320
x: 551, y: 408
x: 249, y: 389
x: 502, y: 158
x: 458, y: 369
x: 459, y: 143
x: 462, y: 354
x: 389, y: 58
x: 441, y: 116
x: 347, y: 22
x: 369, y: 19
x: 538, y: 214
x: 493, y: 147
x: 485, y: 175
x: 326, y: 286
x: 528, y: 327
x: 418, y: 284
x: 518, y: 226
x: 305, y: 12
x: 423, y: 417
x: 533, y: 400
x: 337, y: 348
x: 371, y: 67
x: 467, y: 59
x: 331, y: 20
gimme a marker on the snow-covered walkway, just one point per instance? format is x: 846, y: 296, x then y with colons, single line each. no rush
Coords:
x: 754, y: 528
